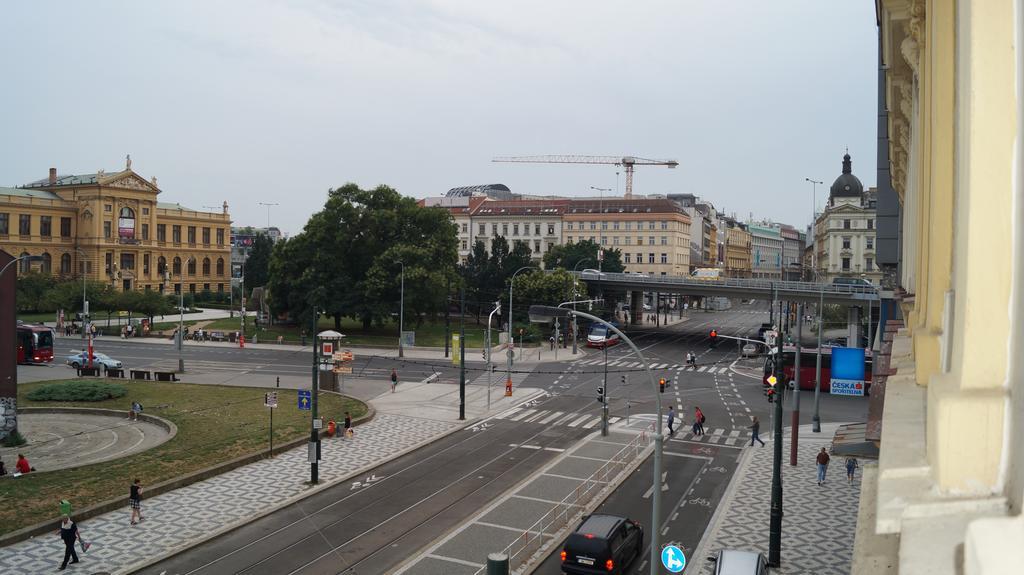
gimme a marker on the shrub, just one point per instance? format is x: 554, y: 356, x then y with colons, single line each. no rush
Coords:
x: 78, y: 391
x: 13, y: 439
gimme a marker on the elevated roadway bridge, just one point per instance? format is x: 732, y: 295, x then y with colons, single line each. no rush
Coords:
x: 736, y: 288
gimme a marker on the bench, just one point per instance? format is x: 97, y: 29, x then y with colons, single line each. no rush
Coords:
x: 164, y: 376
x: 115, y: 372
x: 86, y: 371
x: 139, y: 374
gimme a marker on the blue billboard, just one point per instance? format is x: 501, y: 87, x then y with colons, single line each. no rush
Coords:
x: 847, y: 371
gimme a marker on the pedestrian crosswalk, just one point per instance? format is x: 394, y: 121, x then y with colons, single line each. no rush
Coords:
x: 627, y: 364
x: 717, y: 436
x: 554, y: 417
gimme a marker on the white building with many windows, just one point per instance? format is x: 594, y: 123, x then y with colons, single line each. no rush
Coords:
x: 845, y: 231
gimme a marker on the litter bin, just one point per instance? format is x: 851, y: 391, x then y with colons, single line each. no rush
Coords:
x: 65, y: 507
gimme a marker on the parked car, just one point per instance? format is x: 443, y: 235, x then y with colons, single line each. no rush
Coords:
x: 737, y: 562
x: 602, y: 544
x: 751, y: 350
x: 81, y: 358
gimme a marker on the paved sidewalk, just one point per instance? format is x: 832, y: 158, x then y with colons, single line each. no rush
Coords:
x: 818, y: 524
x: 418, y: 414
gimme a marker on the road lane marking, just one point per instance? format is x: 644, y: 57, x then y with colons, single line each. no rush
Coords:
x: 552, y: 417
x: 580, y: 420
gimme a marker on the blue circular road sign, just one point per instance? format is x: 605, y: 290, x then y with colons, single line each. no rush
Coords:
x: 672, y: 558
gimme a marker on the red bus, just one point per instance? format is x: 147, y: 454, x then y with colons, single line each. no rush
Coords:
x: 35, y: 344
x: 809, y: 367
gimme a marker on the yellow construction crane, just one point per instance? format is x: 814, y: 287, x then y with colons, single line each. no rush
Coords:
x: 627, y: 161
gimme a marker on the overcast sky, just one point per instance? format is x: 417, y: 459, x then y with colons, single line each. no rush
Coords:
x: 254, y: 101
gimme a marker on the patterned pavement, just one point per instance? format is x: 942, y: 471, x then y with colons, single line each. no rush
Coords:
x: 818, y: 523
x: 197, y: 512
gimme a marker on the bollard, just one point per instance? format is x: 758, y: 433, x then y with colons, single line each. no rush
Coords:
x: 497, y: 564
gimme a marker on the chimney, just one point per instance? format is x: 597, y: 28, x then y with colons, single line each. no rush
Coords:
x: 53, y: 175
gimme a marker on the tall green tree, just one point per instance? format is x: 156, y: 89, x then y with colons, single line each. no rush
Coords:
x: 343, y: 262
x: 583, y: 255
x: 257, y: 265
x: 32, y: 289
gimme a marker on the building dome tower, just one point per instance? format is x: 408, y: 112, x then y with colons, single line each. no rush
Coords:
x: 846, y: 185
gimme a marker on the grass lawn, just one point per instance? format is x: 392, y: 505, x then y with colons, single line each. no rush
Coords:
x: 428, y: 335
x: 38, y: 317
x: 215, y: 424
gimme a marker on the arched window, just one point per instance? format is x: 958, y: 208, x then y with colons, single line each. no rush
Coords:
x: 46, y: 265
x: 206, y: 266
x: 126, y: 224
x: 161, y: 265
x: 192, y: 266
x: 220, y: 266
x: 177, y: 266
x: 25, y: 265
x: 65, y: 264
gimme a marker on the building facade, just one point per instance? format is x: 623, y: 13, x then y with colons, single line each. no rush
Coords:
x: 793, y: 242
x: 845, y: 231
x: 112, y: 228
x: 533, y: 222
x: 652, y: 234
x: 947, y: 494
x: 737, y: 248
x: 765, y: 251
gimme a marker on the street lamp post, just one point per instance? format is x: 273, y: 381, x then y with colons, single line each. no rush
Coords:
x: 490, y: 366
x: 85, y: 302
x: 814, y: 211
x: 546, y: 313
x: 181, y: 315
x: 775, y: 522
x: 575, y: 283
x: 268, y: 214
x: 508, y: 365
x: 401, y: 315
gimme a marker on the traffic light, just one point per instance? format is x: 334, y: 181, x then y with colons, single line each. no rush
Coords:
x: 713, y: 335
x: 483, y: 353
x: 661, y: 385
x: 600, y: 395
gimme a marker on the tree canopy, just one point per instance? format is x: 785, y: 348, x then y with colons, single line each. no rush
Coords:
x: 345, y: 263
x: 582, y: 255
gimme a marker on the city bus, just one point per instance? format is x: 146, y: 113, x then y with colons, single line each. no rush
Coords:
x: 35, y: 344
x: 706, y: 274
x: 600, y: 336
x: 808, y: 367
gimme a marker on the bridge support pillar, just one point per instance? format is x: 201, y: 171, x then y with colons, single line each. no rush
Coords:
x: 853, y: 326
x: 636, y: 308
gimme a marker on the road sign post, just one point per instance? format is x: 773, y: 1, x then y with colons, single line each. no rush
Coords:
x: 270, y: 400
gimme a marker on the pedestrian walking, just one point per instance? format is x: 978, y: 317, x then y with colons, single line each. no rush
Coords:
x: 755, y: 429
x: 394, y: 379
x: 133, y: 413
x: 69, y: 534
x: 698, y: 418
x: 822, y: 461
x: 135, y: 501
x: 851, y: 469
x: 348, y: 425
x: 693, y: 360
x: 551, y: 341
x: 671, y: 420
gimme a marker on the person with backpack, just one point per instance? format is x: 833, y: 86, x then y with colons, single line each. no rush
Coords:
x: 698, y: 421
x: 394, y: 379
x: 136, y: 409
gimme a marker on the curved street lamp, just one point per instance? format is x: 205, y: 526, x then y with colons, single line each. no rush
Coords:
x: 508, y: 365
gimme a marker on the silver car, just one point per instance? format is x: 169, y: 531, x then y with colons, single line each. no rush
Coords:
x: 81, y: 358
x: 751, y: 350
x: 736, y: 562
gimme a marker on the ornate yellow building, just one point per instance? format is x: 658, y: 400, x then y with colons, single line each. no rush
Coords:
x: 111, y: 228
x: 948, y: 492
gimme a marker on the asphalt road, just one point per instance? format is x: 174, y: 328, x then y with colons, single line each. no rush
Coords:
x: 370, y: 527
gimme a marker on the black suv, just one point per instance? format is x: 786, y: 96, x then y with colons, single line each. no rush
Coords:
x: 602, y: 544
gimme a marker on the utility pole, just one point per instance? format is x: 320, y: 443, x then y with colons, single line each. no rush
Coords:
x: 816, y: 420
x: 775, y: 523
x: 314, y: 439
x: 795, y: 421
x: 447, y: 315
x: 462, y: 354
x: 401, y: 316
x: 604, y: 403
